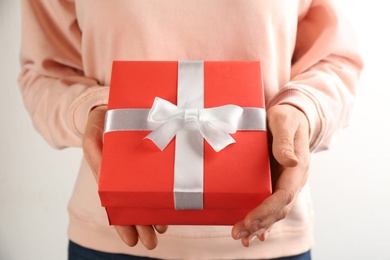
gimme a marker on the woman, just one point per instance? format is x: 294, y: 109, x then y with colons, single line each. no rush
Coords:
x: 310, y: 69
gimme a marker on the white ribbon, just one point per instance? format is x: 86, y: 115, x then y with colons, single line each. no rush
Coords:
x: 214, y: 124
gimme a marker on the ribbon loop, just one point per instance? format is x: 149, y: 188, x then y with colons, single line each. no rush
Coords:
x: 215, y: 124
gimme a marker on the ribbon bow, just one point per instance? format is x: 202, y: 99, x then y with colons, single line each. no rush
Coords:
x: 214, y: 124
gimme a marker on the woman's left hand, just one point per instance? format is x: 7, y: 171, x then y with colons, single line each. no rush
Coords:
x: 290, y: 160
x: 92, y: 147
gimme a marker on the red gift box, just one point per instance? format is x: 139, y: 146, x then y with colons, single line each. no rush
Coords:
x: 137, y: 179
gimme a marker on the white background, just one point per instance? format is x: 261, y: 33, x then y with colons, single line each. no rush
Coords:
x: 350, y: 183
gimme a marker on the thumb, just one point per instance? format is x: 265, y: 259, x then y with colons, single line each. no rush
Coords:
x: 283, y: 150
x: 283, y: 131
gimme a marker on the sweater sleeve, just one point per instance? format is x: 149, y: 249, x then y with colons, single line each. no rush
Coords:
x: 325, y: 68
x: 56, y: 93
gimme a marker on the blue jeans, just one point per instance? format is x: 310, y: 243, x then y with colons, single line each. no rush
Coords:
x: 77, y: 252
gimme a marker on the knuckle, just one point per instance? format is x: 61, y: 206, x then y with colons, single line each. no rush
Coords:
x: 286, y: 140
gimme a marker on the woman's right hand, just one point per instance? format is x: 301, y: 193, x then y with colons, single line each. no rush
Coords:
x: 92, y: 147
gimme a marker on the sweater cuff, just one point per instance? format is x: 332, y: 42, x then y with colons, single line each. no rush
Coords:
x: 302, y: 99
x: 94, y: 96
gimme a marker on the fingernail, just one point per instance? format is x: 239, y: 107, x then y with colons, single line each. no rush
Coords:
x: 253, y: 238
x: 242, y: 234
x: 289, y: 154
x: 266, y: 234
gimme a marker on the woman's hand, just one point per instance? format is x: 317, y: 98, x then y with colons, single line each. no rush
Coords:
x: 290, y: 160
x: 92, y: 146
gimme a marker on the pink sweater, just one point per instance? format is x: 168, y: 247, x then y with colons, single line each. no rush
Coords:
x: 309, y: 59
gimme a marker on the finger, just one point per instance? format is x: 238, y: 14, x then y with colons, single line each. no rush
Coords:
x: 128, y: 234
x: 147, y: 236
x: 260, y: 228
x: 239, y: 231
x: 265, y: 235
x: 161, y: 228
x: 248, y: 240
x: 255, y: 224
x: 273, y: 209
x: 278, y: 205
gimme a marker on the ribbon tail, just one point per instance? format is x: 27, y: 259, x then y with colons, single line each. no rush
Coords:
x: 217, y: 139
x: 163, y: 135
